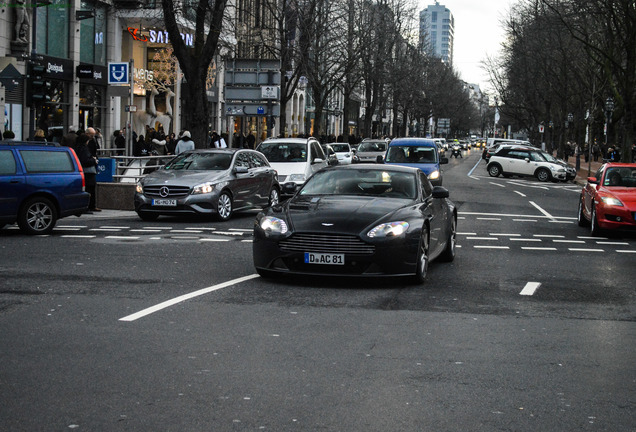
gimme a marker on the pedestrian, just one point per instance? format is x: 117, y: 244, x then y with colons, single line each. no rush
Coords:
x: 185, y: 143
x: 596, y: 151
x: 92, y: 143
x: 251, y: 141
x: 39, y: 135
x: 158, y: 142
x: 70, y: 138
x: 171, y: 144
x: 120, y: 141
x: 577, y: 154
x: 612, y: 155
x: 89, y: 165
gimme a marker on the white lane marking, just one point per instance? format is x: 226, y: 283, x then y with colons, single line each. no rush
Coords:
x: 157, y: 227
x: 612, y: 243
x: 561, y: 222
x: 214, y: 240
x: 59, y: 228
x: 184, y: 231
x: 201, y: 228
x: 470, y: 173
x: 530, y: 288
x: 497, y: 184
x: 241, y: 229
x: 490, y: 247
x: 504, y: 235
x: 568, y: 241
x: 526, y: 239
x: 252, y: 241
x: 77, y: 236
x: 538, y: 248
x: 585, y: 250
x: 122, y: 237
x: 529, y: 185
x: 545, y: 213
x: 548, y: 236
x: 523, y: 195
x: 114, y: 227
x: 71, y: 226
x: 105, y: 229
x: 230, y: 233
x: 466, y: 233
x: 591, y: 238
x: 481, y: 238
x: 490, y: 218
x: 145, y: 230
x: 474, y: 178
x: 524, y: 220
x: 183, y: 237
x: 515, y: 215
x: 185, y: 297
x: 625, y: 251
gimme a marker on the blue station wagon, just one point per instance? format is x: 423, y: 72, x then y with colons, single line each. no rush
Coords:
x: 39, y: 183
x: 421, y: 153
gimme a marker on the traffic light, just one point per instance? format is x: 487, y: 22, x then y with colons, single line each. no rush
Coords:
x: 38, y: 87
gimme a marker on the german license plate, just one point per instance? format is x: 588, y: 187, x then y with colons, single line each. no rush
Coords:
x: 164, y: 202
x: 324, y: 258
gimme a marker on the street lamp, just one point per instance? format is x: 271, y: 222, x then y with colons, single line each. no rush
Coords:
x: 609, y: 108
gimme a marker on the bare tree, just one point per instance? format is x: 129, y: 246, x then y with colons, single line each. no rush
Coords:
x: 208, y: 17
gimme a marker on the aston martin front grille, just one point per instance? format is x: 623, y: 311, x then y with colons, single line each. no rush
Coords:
x: 172, y: 191
x: 329, y: 243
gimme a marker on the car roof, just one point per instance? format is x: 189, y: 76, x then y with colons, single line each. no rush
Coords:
x: 421, y: 142
x: 289, y: 140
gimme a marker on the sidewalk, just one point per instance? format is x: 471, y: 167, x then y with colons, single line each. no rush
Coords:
x: 110, y: 214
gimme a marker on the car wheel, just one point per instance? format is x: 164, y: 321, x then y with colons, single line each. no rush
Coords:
x: 594, y: 228
x: 224, y: 207
x: 147, y: 217
x: 422, y: 257
x: 274, y: 196
x: 37, y: 216
x: 581, y: 217
x: 449, y: 252
x: 494, y: 170
x: 543, y: 175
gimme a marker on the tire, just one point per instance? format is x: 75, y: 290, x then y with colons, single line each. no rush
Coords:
x: 274, y: 197
x: 594, y: 228
x: 37, y: 216
x: 422, y: 257
x: 581, y: 217
x: 224, y: 207
x: 147, y: 217
x: 449, y: 252
x: 543, y: 175
x: 494, y: 170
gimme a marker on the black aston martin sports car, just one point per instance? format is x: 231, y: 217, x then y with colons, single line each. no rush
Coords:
x: 358, y: 220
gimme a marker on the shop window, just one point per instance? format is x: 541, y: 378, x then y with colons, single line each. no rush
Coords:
x: 93, y: 35
x: 91, y: 106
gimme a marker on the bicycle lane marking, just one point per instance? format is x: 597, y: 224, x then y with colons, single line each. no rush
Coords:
x: 182, y: 298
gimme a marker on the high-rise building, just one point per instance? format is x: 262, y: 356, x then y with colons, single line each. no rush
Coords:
x: 437, y: 29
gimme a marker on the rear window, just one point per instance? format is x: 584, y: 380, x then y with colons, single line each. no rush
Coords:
x: 411, y: 154
x: 38, y: 161
x: 284, y: 151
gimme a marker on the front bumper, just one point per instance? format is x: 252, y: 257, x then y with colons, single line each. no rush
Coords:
x: 203, y: 204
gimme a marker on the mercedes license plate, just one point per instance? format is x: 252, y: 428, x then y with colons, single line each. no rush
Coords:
x: 324, y: 258
x: 164, y: 202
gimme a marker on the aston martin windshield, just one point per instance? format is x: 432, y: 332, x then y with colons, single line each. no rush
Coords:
x: 362, y: 182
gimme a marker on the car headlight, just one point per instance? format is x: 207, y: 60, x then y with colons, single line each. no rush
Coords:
x: 139, y: 188
x: 434, y: 175
x: 203, y: 188
x: 389, y: 229
x: 297, y: 177
x: 273, y: 225
x: 611, y: 201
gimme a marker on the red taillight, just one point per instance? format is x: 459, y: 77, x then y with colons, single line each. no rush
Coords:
x: 81, y: 170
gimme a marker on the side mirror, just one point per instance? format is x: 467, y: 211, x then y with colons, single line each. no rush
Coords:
x: 443, y: 161
x: 592, y: 180
x: 527, y: 160
x: 240, y: 170
x: 440, y: 192
x: 289, y: 188
x: 317, y: 160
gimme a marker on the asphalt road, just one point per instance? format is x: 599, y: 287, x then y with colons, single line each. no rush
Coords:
x: 114, y: 324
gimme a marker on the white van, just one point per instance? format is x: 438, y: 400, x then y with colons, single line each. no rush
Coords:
x: 295, y: 160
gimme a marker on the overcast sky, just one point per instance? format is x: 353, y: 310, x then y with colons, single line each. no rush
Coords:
x: 478, y: 34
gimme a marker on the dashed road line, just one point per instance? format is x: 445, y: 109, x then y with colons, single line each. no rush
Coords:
x: 585, y: 250
x: 530, y: 288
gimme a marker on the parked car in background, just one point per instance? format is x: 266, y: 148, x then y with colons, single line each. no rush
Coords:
x: 39, y: 183
x: 420, y: 153
x: 525, y: 162
x: 369, y: 150
x: 343, y: 153
x: 211, y: 182
x: 295, y: 160
x: 494, y: 144
x: 608, y: 199
x: 358, y: 220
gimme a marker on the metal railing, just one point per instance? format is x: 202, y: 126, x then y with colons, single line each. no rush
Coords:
x: 129, y: 169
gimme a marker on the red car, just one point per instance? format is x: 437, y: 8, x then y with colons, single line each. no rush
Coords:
x: 608, y: 200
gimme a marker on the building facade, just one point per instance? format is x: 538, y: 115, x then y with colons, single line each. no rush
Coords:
x: 437, y: 30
